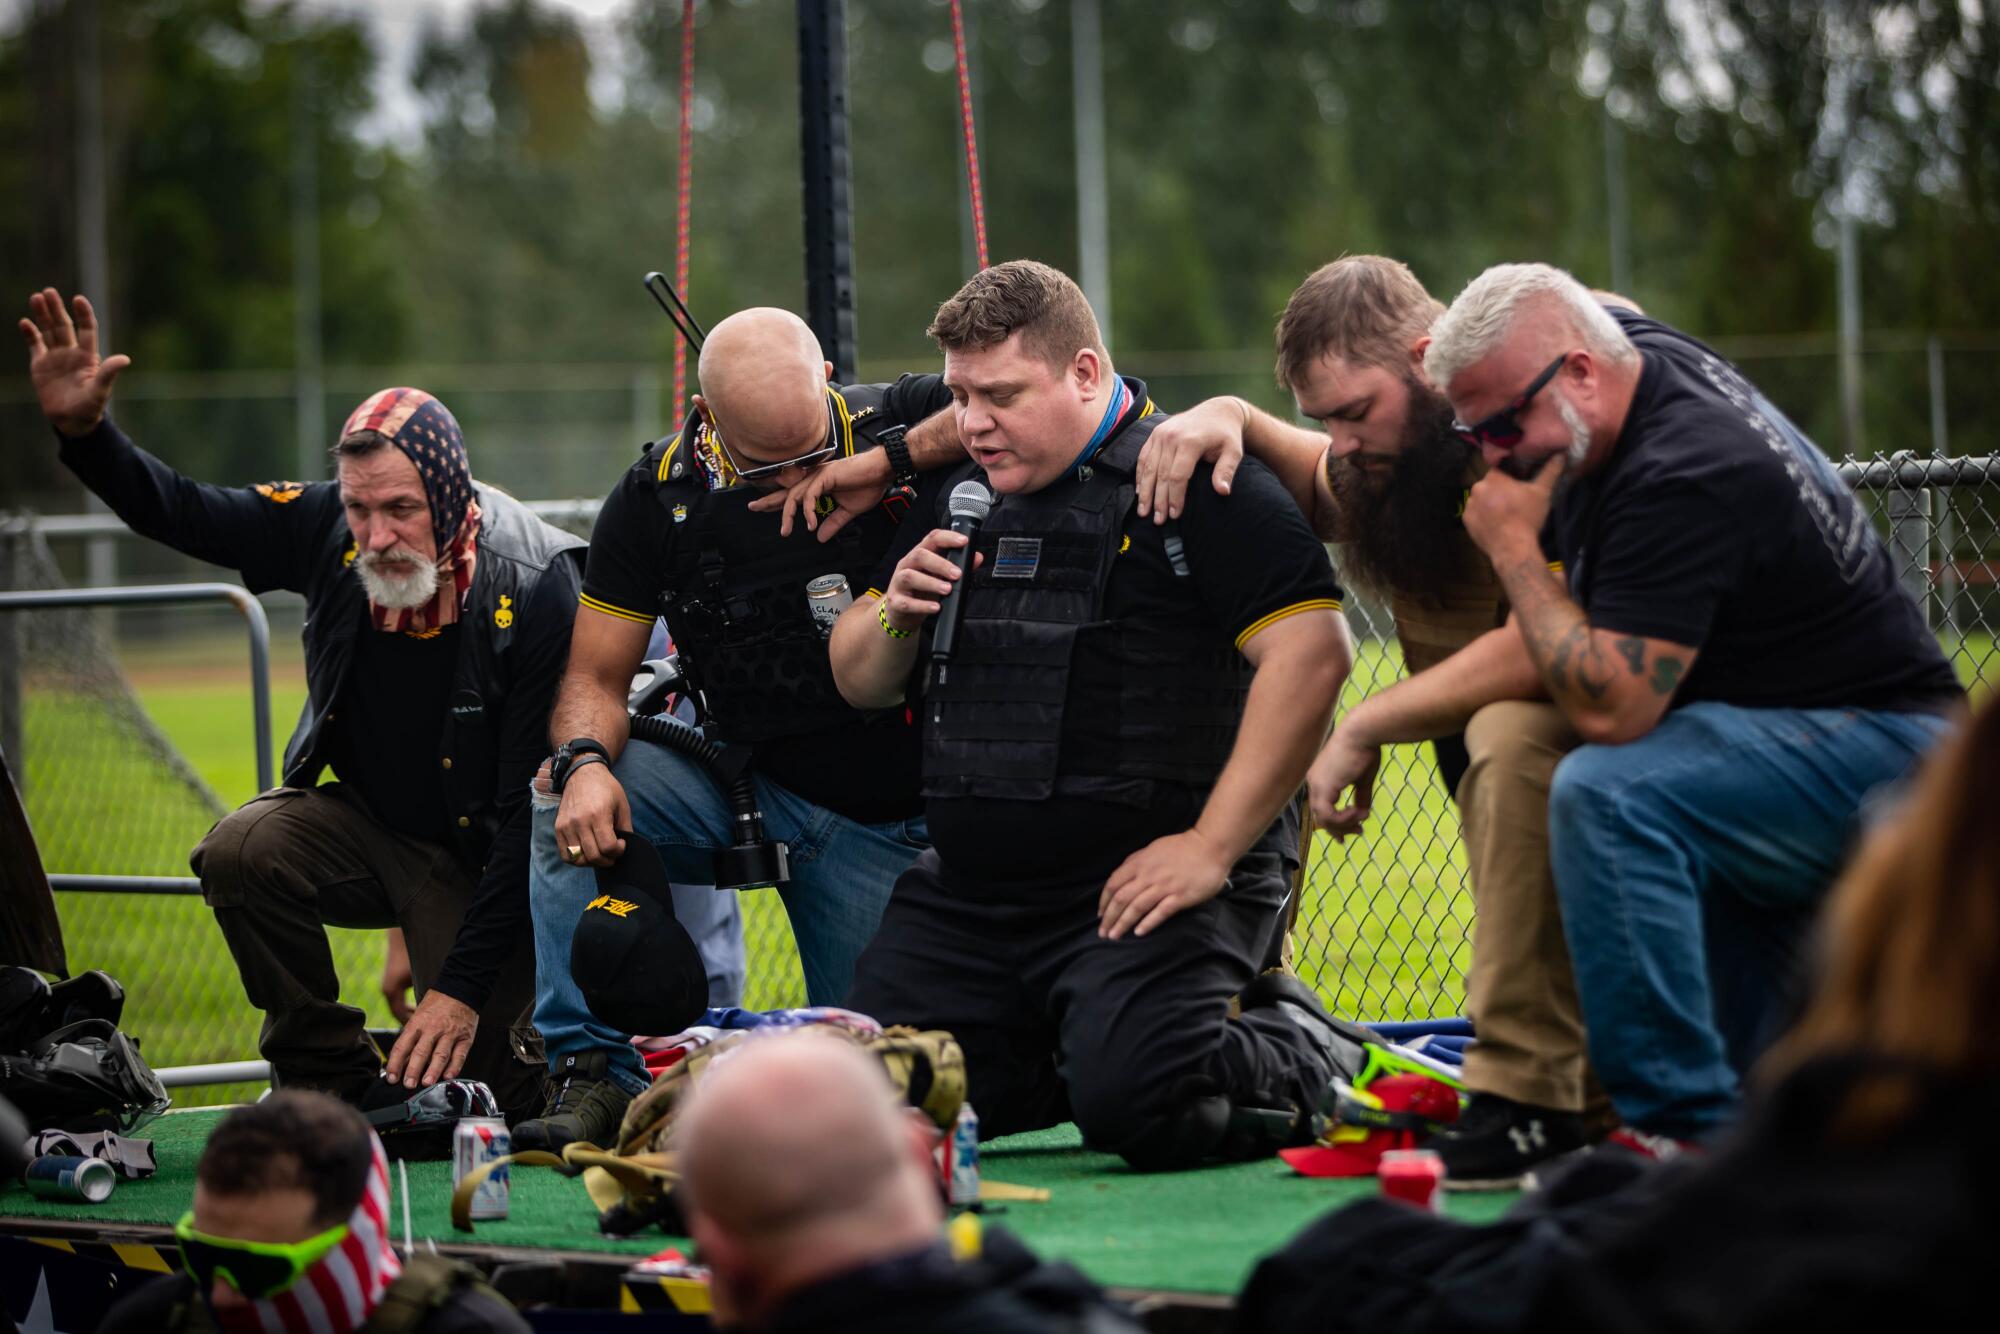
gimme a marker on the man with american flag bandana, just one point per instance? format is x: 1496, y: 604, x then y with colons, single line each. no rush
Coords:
x: 438, y: 616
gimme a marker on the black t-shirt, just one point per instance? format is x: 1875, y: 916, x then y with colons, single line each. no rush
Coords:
x: 867, y: 769
x: 1252, y: 560
x: 388, y: 727
x: 1715, y: 523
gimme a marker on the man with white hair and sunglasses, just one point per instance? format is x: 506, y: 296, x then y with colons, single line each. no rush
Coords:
x: 1727, y: 642
x: 438, y: 616
x: 691, y: 533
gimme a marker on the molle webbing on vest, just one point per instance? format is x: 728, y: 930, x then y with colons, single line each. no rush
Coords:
x: 995, y: 723
x: 738, y: 613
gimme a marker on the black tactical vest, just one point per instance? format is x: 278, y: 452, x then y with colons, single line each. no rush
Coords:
x: 736, y: 602
x: 994, y: 724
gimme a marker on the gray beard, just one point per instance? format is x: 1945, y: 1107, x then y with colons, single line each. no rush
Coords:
x: 397, y: 594
x: 1579, y: 431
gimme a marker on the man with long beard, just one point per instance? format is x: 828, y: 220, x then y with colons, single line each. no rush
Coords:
x: 1385, y: 479
x: 438, y: 616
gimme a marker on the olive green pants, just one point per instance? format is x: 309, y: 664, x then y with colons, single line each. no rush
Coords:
x: 278, y: 871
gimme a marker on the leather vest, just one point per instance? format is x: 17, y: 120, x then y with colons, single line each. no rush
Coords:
x: 736, y: 592
x: 518, y: 554
x: 994, y: 724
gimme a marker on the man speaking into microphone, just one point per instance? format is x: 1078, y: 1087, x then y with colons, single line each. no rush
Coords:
x: 1115, y: 716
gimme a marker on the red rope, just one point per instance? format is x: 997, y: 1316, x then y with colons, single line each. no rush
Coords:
x: 971, y: 140
x: 683, y: 183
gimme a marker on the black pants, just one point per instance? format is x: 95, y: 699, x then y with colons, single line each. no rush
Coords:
x: 294, y: 861
x: 1117, y: 1035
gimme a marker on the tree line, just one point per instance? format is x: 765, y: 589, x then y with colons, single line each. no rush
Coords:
x: 1248, y: 141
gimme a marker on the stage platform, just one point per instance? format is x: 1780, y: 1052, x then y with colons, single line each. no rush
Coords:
x: 1183, y: 1241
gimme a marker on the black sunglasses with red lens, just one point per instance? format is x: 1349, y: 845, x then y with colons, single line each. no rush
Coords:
x: 1501, y: 430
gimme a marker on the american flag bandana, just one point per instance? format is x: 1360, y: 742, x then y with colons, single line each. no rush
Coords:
x: 428, y: 435
x: 341, y: 1291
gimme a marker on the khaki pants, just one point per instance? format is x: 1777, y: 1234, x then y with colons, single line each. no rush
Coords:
x: 281, y: 869
x: 1519, y: 991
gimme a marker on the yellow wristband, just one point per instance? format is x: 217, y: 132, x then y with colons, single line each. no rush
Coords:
x: 882, y: 619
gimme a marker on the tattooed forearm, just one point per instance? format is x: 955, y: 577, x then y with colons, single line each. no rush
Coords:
x: 1558, y: 634
x: 1666, y: 675
x: 1633, y: 649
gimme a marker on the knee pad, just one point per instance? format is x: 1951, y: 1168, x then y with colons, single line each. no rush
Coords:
x: 1212, y: 1129
x: 1184, y: 1137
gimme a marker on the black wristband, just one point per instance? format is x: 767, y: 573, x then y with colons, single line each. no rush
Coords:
x: 568, y: 753
x: 901, y: 468
x: 576, y: 762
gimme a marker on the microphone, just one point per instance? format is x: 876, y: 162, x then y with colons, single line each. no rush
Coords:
x: 968, y: 507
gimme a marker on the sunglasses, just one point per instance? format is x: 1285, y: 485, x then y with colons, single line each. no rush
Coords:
x: 811, y: 459
x: 1501, y: 430
x: 257, y: 1269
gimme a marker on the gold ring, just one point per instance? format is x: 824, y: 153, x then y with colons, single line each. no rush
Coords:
x: 575, y: 851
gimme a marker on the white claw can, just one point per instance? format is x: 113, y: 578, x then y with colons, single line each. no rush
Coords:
x: 963, y: 1186
x: 477, y: 1141
x: 827, y: 597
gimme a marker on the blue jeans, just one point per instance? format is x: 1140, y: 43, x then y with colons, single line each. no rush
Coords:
x: 1690, y: 864
x: 841, y: 874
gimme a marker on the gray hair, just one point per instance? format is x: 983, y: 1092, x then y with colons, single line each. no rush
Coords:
x: 1480, y: 318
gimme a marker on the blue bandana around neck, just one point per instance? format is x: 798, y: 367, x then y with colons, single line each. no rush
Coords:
x: 1121, y: 399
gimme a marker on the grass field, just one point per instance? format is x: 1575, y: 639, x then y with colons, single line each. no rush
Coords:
x: 1382, y: 929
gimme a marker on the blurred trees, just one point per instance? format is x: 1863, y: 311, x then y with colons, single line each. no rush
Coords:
x: 1249, y: 140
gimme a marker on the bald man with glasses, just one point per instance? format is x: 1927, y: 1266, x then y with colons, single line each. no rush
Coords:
x: 683, y: 537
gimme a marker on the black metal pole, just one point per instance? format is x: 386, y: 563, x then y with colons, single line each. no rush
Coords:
x: 829, y: 216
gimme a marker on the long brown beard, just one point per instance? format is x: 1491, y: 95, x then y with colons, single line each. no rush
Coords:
x: 1405, y: 535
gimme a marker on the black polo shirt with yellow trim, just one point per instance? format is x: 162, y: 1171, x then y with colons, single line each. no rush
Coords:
x: 869, y: 770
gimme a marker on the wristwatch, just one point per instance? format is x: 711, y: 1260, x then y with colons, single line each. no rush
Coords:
x: 901, y: 469
x: 567, y: 755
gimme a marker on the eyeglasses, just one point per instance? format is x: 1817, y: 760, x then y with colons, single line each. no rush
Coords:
x: 1501, y: 430
x: 810, y: 459
x: 257, y: 1269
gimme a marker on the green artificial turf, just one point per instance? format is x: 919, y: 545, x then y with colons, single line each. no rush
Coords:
x: 1382, y: 931
x: 1198, y: 1232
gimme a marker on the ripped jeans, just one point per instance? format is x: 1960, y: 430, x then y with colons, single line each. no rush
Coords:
x: 841, y: 874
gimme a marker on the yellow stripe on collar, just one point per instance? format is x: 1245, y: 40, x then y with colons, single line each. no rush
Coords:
x: 846, y: 422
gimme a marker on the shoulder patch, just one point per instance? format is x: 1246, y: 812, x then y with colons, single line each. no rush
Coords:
x: 281, y: 493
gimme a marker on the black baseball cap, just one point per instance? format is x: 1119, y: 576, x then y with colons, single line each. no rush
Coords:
x: 635, y: 964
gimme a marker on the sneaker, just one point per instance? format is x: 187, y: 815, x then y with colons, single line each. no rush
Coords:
x: 1657, y: 1148
x: 585, y: 1107
x: 1497, y: 1142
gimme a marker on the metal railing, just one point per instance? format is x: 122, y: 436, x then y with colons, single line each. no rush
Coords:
x: 1383, y: 931
x: 142, y: 595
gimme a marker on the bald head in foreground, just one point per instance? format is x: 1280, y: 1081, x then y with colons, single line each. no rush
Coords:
x: 813, y: 1200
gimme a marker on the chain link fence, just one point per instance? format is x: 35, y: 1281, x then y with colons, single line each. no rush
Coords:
x: 1385, y: 920
x: 1384, y: 928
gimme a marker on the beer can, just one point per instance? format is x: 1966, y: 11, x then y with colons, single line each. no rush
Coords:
x: 827, y: 597
x: 962, y: 1188
x: 1414, y: 1176
x: 476, y: 1141
x: 60, y: 1177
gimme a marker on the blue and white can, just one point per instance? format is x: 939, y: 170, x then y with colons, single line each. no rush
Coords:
x: 62, y: 1177
x: 963, y: 1189
x: 475, y: 1142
